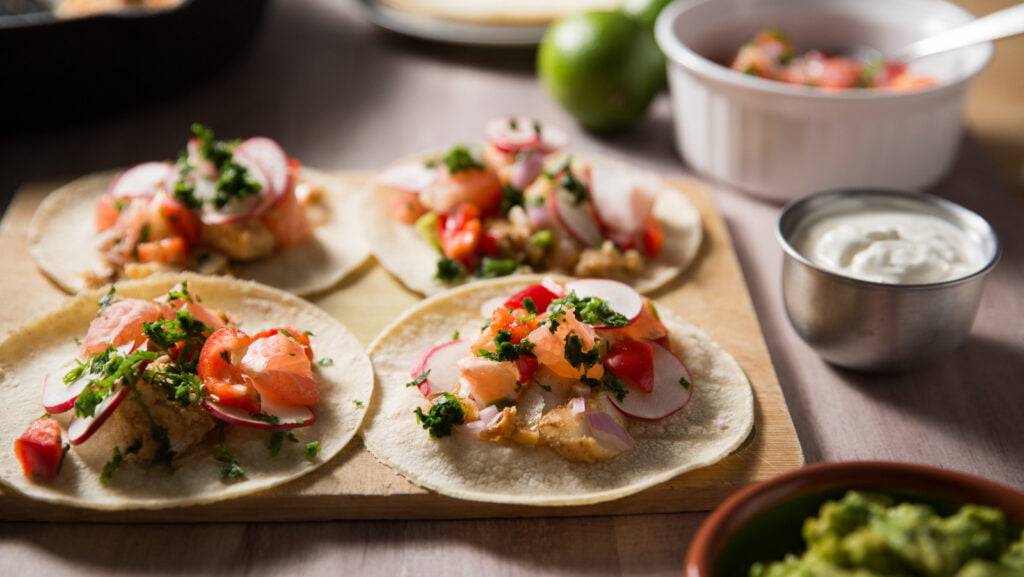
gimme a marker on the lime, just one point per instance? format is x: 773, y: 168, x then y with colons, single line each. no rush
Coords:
x: 644, y: 11
x: 603, y: 67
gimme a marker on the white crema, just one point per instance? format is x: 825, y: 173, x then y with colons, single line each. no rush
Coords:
x: 889, y: 247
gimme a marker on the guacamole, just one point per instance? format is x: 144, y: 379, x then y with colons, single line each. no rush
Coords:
x: 871, y: 535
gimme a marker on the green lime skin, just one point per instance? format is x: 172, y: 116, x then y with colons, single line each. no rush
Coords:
x: 602, y: 67
x: 645, y: 11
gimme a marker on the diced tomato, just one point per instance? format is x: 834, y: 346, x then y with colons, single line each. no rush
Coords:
x: 541, y: 295
x: 106, y: 212
x: 293, y: 333
x: 220, y: 373
x: 633, y: 362
x: 654, y: 237
x: 459, y: 234
x: 287, y: 221
x: 39, y: 449
x: 517, y: 322
x: 527, y: 365
x: 489, y: 244
x: 170, y: 250
x: 180, y: 219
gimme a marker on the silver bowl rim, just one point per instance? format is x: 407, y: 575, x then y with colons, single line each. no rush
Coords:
x: 958, y: 213
x: 680, y: 54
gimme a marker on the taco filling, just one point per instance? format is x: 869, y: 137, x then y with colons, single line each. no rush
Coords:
x: 176, y: 390
x: 165, y: 375
x: 222, y: 201
x: 520, y: 204
x: 559, y: 367
x: 570, y: 393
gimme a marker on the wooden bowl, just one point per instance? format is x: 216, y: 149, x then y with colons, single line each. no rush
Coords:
x: 763, y: 521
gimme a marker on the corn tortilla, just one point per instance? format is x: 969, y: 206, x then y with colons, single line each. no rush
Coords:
x: 46, y: 343
x: 717, y: 420
x: 62, y: 239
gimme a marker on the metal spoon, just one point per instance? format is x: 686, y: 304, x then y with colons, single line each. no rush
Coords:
x: 999, y: 24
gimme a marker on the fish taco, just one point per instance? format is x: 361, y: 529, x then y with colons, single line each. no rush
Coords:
x: 176, y: 390
x: 238, y: 207
x: 520, y: 203
x: 572, y: 393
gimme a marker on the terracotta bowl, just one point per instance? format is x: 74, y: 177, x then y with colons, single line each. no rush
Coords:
x: 763, y: 521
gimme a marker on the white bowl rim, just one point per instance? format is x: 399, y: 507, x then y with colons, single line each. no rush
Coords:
x: 689, y: 59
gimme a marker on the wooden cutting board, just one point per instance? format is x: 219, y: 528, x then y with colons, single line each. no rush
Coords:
x: 712, y: 294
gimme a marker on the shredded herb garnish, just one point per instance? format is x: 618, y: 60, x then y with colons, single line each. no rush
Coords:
x: 104, y: 371
x: 312, y: 449
x: 325, y: 362
x: 529, y: 305
x: 107, y: 299
x: 117, y: 459
x: 419, y: 380
x: 277, y: 439
x: 590, y: 310
x: 577, y: 357
x: 511, y: 196
x: 449, y: 270
x: 495, y: 267
x: 573, y: 185
x: 445, y: 413
x: 504, y: 349
x: 685, y: 383
x: 459, y: 159
x: 230, y: 470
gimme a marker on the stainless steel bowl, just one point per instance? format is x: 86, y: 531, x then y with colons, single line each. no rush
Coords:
x: 873, y: 326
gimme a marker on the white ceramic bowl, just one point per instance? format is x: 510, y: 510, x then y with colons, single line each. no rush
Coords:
x: 780, y: 141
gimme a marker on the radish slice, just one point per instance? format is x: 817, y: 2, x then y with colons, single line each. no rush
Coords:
x: 81, y: 428
x: 526, y: 168
x: 515, y: 133
x: 269, y: 156
x: 673, y: 387
x: 623, y: 198
x: 411, y: 177
x: 577, y: 219
x: 444, y: 373
x: 621, y: 297
x: 142, y: 180
x: 288, y: 416
x: 238, y: 209
x: 59, y: 396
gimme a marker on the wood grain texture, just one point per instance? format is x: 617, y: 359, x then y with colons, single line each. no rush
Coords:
x: 711, y: 294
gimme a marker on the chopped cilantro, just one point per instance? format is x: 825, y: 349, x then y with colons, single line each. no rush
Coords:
x: 107, y: 299
x: 277, y: 439
x: 230, y: 470
x: 511, y: 196
x: 449, y: 270
x: 419, y: 380
x: 455, y: 335
x: 116, y: 460
x: 591, y: 310
x: 614, y: 386
x: 685, y: 383
x: 504, y: 349
x: 459, y: 159
x: 577, y: 357
x: 104, y: 371
x: 529, y: 305
x: 573, y: 185
x: 544, y: 239
x: 445, y: 413
x: 312, y: 449
x: 183, y: 294
x: 358, y: 403
x: 325, y: 362
x: 495, y: 267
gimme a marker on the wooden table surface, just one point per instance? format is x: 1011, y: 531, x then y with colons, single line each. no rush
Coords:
x: 339, y: 93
